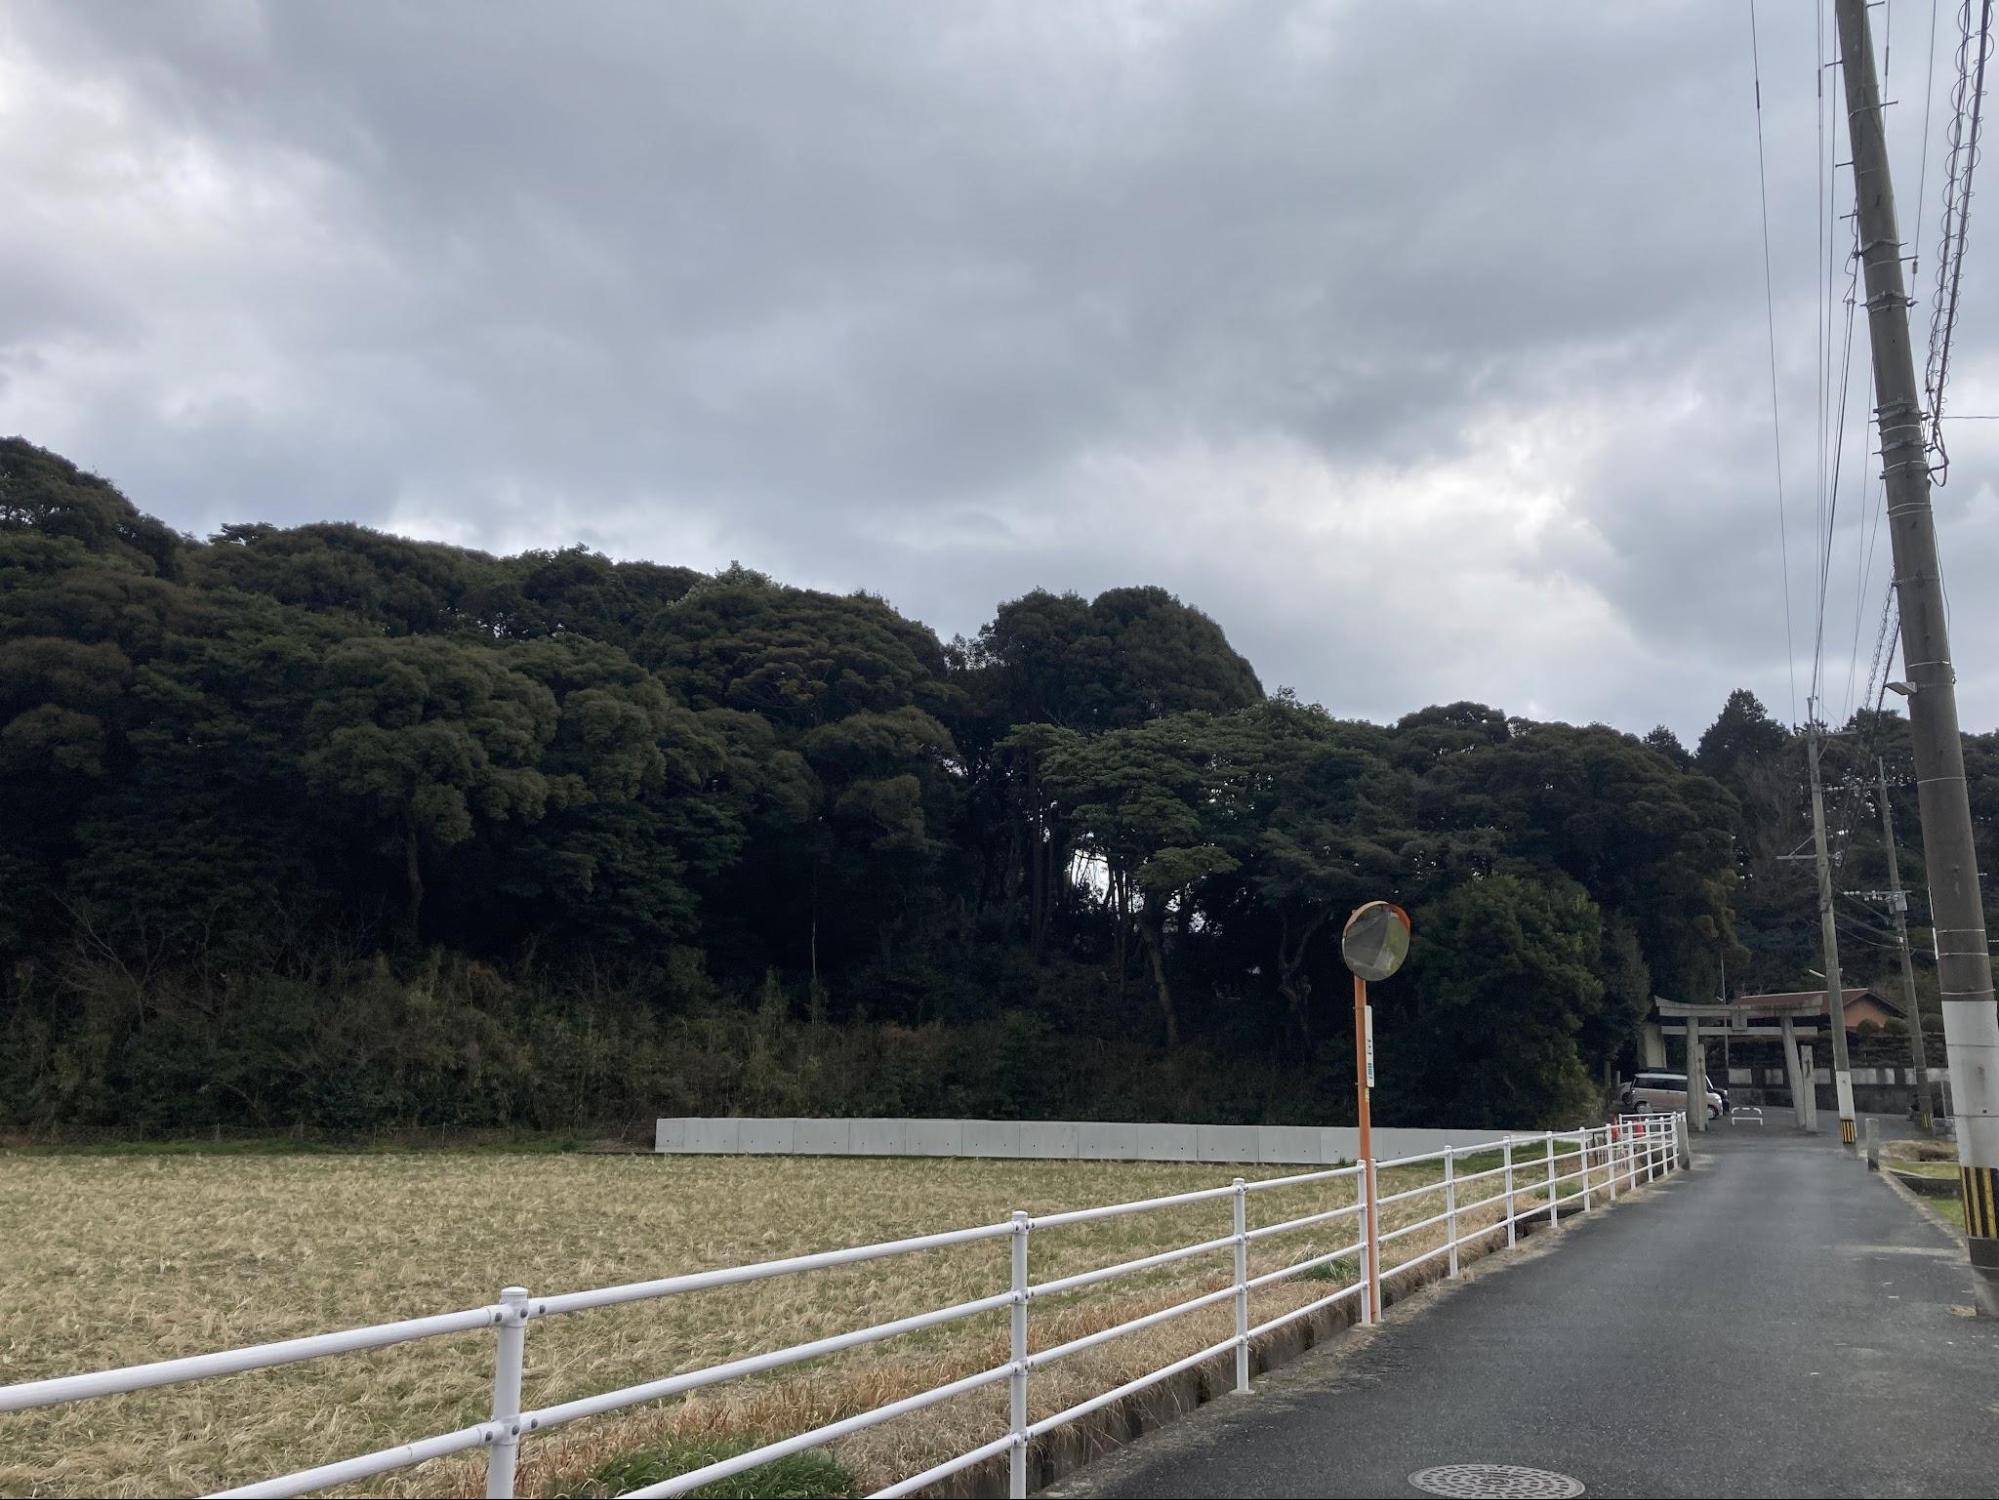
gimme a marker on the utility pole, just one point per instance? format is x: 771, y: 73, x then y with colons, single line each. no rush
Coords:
x: 1835, y: 994
x: 1964, y: 962
x: 1898, y: 903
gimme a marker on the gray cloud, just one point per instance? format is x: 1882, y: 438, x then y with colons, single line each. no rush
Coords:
x: 1421, y: 344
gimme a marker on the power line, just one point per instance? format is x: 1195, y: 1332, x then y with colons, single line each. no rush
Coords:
x: 1923, y: 170
x: 1866, y: 560
x: 1770, y: 325
x: 1822, y: 333
x: 1832, y: 407
x: 1967, y: 115
x: 1837, y: 438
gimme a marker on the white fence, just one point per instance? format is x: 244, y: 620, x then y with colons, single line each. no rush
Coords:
x: 1045, y: 1140
x: 1600, y: 1161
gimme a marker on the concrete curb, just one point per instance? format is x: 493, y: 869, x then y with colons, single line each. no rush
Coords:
x: 1921, y: 1204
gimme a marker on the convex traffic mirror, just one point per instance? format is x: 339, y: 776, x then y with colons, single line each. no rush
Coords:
x: 1376, y: 940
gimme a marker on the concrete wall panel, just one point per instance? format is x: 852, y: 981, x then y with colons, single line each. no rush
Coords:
x: 936, y: 1137
x: 823, y: 1137
x: 881, y: 1137
x: 1288, y: 1145
x: 766, y: 1137
x: 708, y: 1137
x: 1053, y: 1140
x: 996, y: 1138
x: 1225, y: 1143
x: 1165, y: 1142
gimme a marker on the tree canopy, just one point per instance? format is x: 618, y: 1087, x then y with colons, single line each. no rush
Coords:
x: 319, y: 825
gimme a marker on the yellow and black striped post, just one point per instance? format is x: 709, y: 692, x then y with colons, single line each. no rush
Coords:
x: 1980, y: 1186
x: 1845, y: 1131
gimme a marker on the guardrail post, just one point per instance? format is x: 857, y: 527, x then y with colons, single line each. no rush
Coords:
x: 1364, y: 1222
x: 1241, y: 1287
x: 1506, y: 1146
x: 1551, y: 1177
x: 1582, y: 1149
x: 1016, y: 1469
x: 1373, y: 1181
x: 1873, y: 1144
x: 1610, y: 1134
x: 1451, y: 1203
x: 502, y: 1456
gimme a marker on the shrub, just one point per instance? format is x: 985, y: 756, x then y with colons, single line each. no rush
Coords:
x: 801, y: 1476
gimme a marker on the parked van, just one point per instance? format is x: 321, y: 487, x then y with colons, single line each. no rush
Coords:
x: 1666, y: 1093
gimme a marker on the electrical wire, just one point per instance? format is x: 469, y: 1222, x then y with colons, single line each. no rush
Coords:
x: 1822, y: 332
x: 1961, y: 159
x: 1770, y: 326
x: 1923, y: 170
x: 1838, y: 444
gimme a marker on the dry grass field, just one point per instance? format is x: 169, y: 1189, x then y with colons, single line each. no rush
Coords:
x: 120, y: 1259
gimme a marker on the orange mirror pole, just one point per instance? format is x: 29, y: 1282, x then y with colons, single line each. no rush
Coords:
x: 1363, y: 1069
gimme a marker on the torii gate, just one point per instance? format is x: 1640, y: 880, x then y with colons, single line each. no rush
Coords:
x: 1738, y: 1020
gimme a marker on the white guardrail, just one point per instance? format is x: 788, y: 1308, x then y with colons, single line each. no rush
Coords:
x: 1638, y: 1149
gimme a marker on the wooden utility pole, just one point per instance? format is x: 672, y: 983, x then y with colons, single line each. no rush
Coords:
x: 1835, y: 993
x: 1964, y: 962
x: 1898, y: 903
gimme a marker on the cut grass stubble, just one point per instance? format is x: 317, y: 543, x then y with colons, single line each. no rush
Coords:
x: 122, y: 1260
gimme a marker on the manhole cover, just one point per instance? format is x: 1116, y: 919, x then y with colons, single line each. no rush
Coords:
x: 1495, y: 1482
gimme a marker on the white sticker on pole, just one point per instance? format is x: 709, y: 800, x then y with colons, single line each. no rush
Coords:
x: 1368, y: 1024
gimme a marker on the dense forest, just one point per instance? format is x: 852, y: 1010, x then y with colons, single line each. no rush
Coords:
x: 325, y: 829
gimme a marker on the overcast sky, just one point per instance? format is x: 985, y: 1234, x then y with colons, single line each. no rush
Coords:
x: 1422, y: 345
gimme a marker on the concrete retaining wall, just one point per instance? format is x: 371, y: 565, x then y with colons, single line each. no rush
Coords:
x: 1049, y: 1140
x: 1885, y: 1077
x: 1877, y: 1089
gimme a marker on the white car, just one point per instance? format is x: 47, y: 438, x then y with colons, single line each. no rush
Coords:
x: 1666, y: 1093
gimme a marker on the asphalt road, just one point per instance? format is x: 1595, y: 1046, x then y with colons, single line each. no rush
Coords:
x: 1778, y: 1322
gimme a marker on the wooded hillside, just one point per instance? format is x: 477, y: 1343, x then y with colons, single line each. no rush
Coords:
x: 323, y: 827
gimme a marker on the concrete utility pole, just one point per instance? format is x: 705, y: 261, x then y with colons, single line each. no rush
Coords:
x: 1835, y: 995
x: 1964, y: 962
x: 1898, y: 903
x: 1696, y: 1077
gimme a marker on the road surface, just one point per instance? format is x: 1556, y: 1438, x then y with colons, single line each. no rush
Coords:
x: 1777, y: 1322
